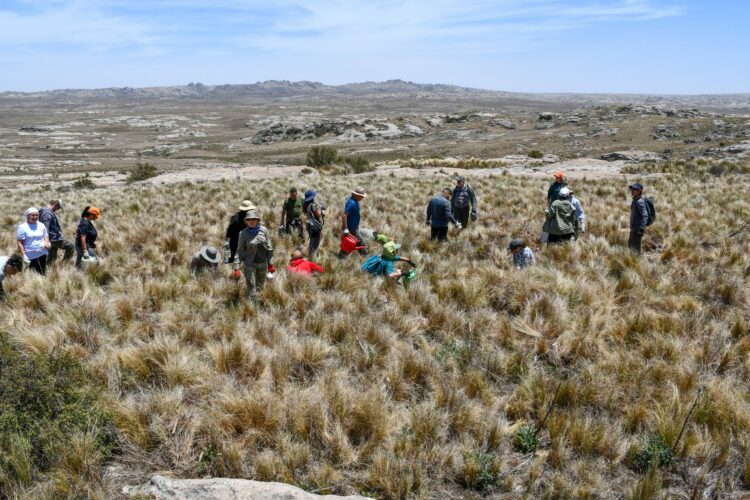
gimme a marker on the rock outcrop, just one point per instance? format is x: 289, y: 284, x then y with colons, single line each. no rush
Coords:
x: 633, y: 156
x: 164, y: 488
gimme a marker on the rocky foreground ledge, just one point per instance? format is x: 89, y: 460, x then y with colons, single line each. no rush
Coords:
x: 164, y: 488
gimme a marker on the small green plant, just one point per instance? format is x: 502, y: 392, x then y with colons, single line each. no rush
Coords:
x: 536, y: 154
x: 307, y: 171
x: 652, y: 450
x: 142, y: 171
x: 321, y: 156
x: 84, y: 182
x: 479, y: 470
x: 526, y: 439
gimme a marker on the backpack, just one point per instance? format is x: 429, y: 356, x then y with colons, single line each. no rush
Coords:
x: 650, y: 209
x: 373, y: 265
x: 314, y: 225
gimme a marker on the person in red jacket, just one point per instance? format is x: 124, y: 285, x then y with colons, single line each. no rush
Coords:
x: 298, y: 264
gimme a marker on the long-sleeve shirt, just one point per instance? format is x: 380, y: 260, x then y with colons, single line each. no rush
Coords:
x: 439, y: 212
x: 255, y: 248
x: 579, y: 210
x: 303, y: 266
x: 463, y: 197
x: 638, y: 213
x: 48, y: 217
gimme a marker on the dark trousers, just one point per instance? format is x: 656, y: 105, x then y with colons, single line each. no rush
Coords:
x: 79, y: 254
x: 439, y: 233
x: 557, y: 239
x: 314, y: 244
x: 295, y: 226
x: 634, y: 241
x: 67, y: 247
x: 39, y: 265
x: 2, y: 292
x: 462, y: 215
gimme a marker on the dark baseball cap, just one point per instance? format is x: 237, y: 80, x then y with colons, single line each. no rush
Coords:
x: 637, y: 186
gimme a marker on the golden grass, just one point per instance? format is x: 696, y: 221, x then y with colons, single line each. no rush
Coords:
x: 349, y: 384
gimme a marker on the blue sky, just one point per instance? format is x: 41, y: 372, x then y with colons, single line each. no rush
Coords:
x: 638, y: 46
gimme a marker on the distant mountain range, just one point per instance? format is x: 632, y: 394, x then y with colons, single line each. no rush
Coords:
x: 281, y: 88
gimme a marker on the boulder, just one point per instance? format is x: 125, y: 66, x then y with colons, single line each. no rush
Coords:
x: 507, y: 124
x: 633, y: 156
x: 547, y: 116
x: 164, y: 488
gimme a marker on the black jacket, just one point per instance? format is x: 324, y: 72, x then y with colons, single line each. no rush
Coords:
x: 235, y: 227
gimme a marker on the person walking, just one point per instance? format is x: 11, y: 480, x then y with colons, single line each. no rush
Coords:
x: 32, y: 239
x: 48, y: 217
x: 523, y: 257
x: 255, y: 252
x: 315, y: 220
x: 439, y: 213
x: 463, y: 202
x: 555, y: 187
x: 350, y: 219
x: 561, y: 223
x: 86, y: 235
x: 579, y: 212
x: 235, y: 227
x: 291, y: 214
x: 8, y: 267
x: 638, y: 217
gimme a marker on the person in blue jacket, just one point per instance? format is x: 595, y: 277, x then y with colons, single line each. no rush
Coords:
x: 439, y: 214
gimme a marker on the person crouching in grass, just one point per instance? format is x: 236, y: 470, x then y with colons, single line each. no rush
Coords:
x: 383, y: 264
x: 522, y: 255
x: 299, y: 265
x: 9, y: 266
x: 255, y: 251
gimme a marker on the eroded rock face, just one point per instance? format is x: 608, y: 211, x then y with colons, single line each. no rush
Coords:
x: 633, y: 156
x: 164, y: 488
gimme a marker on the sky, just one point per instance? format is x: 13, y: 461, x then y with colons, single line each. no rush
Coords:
x: 622, y: 46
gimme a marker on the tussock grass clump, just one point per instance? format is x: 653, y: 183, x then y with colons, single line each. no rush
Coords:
x: 346, y: 383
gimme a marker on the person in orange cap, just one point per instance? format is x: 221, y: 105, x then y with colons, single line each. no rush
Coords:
x: 86, y: 235
x: 555, y: 187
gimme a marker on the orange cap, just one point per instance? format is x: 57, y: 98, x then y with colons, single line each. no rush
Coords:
x: 95, y: 212
x: 558, y: 175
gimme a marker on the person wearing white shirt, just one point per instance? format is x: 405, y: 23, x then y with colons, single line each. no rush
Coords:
x: 32, y: 239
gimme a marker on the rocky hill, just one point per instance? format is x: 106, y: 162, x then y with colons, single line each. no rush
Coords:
x: 733, y: 103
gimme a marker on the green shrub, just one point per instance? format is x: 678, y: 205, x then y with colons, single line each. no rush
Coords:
x: 652, y: 450
x: 321, y: 156
x: 535, y: 154
x: 44, y: 403
x: 84, y: 182
x: 526, y: 439
x: 141, y: 172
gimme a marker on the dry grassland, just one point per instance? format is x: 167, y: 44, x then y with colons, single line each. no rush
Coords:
x: 351, y: 384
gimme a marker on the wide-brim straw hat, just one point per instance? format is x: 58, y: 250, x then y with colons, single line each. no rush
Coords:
x: 247, y: 205
x: 210, y: 254
x: 359, y: 191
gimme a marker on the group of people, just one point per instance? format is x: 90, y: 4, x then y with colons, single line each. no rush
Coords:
x: 249, y: 244
x: 40, y: 237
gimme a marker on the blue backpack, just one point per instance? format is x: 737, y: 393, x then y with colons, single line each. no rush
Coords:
x: 373, y: 265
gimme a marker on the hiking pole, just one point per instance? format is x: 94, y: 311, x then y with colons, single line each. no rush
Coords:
x: 549, y: 409
x: 687, y: 417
